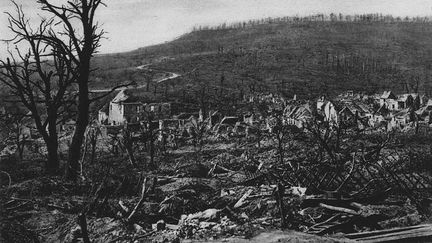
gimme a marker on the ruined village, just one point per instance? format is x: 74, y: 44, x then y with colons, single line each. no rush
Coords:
x: 288, y: 129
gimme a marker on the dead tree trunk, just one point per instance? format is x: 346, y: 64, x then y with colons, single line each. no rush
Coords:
x: 93, y: 141
x: 129, y: 150
x: 51, y: 141
x: 280, y: 149
x: 79, y: 49
x: 81, y: 125
x: 280, y: 194
x: 82, y: 221
x: 53, y: 161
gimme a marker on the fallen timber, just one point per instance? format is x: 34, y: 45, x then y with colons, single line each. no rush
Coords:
x: 420, y: 233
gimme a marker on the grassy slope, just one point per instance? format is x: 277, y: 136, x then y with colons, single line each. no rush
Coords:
x: 307, y: 59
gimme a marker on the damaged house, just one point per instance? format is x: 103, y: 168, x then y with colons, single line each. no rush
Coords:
x: 335, y: 112
x: 402, y: 119
x: 298, y: 115
x: 131, y: 106
x: 425, y: 113
x: 352, y: 113
x: 404, y: 101
x: 380, y: 117
x: 400, y: 102
x: 388, y: 99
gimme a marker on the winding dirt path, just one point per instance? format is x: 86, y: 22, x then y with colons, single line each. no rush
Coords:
x: 168, y: 76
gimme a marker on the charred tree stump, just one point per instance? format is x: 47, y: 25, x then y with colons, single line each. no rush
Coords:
x: 82, y: 221
x: 279, y: 197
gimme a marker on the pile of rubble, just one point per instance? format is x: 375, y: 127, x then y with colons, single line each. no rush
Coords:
x: 354, y: 202
x: 241, y: 211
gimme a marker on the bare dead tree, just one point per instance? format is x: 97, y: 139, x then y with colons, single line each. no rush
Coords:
x: 322, y: 134
x: 80, y: 50
x: 283, y: 133
x: 93, y: 135
x: 149, y: 134
x: 41, y: 76
x: 199, y: 131
x: 59, y: 55
x: 128, y: 142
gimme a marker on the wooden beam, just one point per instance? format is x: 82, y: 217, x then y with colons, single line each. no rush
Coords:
x: 397, y: 234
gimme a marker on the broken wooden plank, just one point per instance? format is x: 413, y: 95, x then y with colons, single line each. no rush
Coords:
x: 334, y: 217
x: 140, y: 202
x: 420, y: 233
x: 381, y: 232
x: 339, y: 209
x: 242, y: 200
x: 260, y: 165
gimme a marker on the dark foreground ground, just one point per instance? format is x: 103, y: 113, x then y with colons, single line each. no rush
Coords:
x: 219, y: 194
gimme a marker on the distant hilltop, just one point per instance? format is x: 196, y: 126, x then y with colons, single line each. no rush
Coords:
x: 307, y: 56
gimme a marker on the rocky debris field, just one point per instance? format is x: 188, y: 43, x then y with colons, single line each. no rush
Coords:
x: 216, y: 203
x: 226, y: 193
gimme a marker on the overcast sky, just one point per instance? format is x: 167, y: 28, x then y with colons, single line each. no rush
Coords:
x: 136, y: 23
